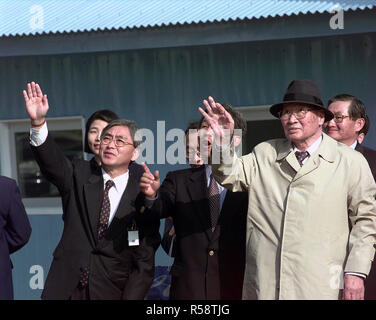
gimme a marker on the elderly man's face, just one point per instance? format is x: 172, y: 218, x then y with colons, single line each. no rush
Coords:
x: 301, y: 123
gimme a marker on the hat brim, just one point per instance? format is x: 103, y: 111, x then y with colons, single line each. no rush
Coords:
x: 275, y: 108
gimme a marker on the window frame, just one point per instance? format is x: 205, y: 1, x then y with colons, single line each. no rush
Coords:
x: 256, y: 113
x: 8, y: 159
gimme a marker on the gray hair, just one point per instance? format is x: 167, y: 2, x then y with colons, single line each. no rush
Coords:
x: 131, y: 125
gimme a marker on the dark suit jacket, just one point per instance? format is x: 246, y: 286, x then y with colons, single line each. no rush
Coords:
x: 370, y: 283
x: 370, y: 155
x: 15, y: 232
x: 117, y: 271
x: 207, y: 265
x: 168, y: 240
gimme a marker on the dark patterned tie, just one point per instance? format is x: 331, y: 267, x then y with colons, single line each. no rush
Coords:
x: 105, y: 210
x: 102, y: 226
x: 301, y: 156
x: 84, y: 277
x: 214, y: 198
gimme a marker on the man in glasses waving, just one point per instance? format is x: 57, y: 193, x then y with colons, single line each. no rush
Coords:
x: 106, y: 251
x: 304, y: 191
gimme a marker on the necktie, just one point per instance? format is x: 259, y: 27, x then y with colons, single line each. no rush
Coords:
x: 214, y: 198
x: 102, y: 226
x: 105, y: 210
x: 301, y: 156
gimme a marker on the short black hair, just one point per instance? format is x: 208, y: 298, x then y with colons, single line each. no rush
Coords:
x: 192, y: 125
x: 104, y: 115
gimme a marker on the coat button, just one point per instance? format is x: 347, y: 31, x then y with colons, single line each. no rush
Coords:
x: 211, y: 253
x: 142, y: 209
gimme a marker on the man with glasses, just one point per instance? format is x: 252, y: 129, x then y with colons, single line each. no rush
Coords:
x: 349, y: 120
x: 305, y: 192
x: 106, y: 250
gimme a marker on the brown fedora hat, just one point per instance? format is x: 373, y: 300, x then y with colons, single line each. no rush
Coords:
x: 302, y: 91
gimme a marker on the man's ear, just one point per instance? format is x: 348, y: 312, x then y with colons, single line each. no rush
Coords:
x: 237, y: 141
x: 136, y: 153
x: 359, y: 124
x: 321, y: 115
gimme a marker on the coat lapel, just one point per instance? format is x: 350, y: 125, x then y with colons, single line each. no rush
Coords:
x: 285, y: 152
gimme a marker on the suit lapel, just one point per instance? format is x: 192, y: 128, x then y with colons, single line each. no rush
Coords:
x: 93, y: 191
x: 198, y: 193
x: 126, y: 204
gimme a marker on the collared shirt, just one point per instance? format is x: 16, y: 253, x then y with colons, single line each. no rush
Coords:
x: 116, y: 192
x: 354, y: 145
x: 311, y: 149
x: 38, y: 136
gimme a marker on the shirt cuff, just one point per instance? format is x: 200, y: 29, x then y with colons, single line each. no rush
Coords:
x: 38, y: 136
x: 149, y: 202
x: 357, y: 274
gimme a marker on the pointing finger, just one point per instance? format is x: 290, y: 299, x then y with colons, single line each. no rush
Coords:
x: 146, y: 169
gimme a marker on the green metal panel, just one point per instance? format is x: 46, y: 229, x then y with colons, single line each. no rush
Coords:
x: 170, y: 83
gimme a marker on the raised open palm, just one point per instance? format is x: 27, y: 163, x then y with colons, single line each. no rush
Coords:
x: 219, y: 120
x: 36, y: 103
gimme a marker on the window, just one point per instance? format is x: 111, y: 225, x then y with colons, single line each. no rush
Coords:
x: 17, y: 161
x: 261, y: 126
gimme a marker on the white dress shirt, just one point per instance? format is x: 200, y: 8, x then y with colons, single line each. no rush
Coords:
x: 311, y: 149
x: 116, y: 192
x: 354, y: 145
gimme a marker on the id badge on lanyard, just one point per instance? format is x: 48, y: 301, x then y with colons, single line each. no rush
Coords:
x: 133, y: 237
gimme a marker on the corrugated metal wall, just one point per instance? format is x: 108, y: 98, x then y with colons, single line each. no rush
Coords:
x: 170, y: 83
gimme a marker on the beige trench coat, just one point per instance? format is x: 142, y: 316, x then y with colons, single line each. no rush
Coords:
x: 298, y: 239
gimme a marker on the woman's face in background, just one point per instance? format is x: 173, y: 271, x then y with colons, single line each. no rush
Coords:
x: 94, y: 134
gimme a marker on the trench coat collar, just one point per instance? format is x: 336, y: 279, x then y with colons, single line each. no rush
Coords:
x: 326, y: 151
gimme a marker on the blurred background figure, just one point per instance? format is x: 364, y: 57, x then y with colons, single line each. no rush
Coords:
x: 15, y: 232
x: 192, y: 154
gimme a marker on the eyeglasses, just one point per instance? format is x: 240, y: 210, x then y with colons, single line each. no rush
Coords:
x: 119, y: 142
x: 299, y: 114
x: 339, y: 119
